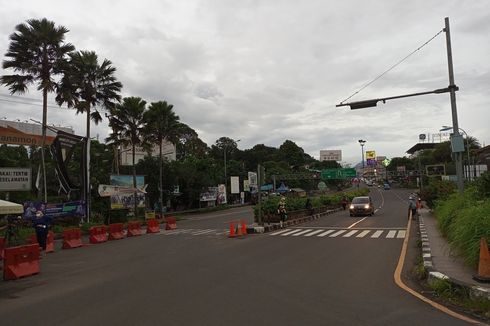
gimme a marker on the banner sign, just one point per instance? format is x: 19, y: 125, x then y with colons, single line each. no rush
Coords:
x: 126, y: 200
x: 253, y: 182
x: 15, y: 179
x: 235, y: 185
x: 221, y: 194
x: 331, y: 155
x: 72, y: 209
x: 210, y: 195
x: 62, y: 151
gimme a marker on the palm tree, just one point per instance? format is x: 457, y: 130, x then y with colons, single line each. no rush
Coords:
x: 162, y: 124
x: 126, y: 121
x: 86, y: 85
x: 36, y: 53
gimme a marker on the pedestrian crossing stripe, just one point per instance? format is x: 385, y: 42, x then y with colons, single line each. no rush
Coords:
x: 342, y: 233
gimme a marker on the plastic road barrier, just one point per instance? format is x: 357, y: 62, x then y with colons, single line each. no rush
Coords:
x: 171, y: 223
x: 2, y: 246
x: 152, y: 226
x: 134, y: 229
x: 116, y: 231
x: 21, y: 261
x: 72, y: 238
x: 98, y: 234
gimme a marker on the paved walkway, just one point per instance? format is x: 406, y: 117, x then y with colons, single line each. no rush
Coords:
x: 441, y: 258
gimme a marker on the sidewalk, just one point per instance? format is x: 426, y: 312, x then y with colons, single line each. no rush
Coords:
x: 441, y: 262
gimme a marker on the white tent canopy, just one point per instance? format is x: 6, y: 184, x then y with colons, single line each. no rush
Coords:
x: 7, y: 207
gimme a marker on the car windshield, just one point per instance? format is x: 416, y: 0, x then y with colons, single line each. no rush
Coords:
x: 360, y: 200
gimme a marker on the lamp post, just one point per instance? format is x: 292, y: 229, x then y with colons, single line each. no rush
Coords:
x: 362, y: 142
x: 456, y: 139
x: 446, y: 128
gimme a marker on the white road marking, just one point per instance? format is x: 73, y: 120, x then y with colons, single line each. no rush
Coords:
x: 203, y: 231
x: 377, y: 234
x: 333, y: 235
x: 363, y: 234
x: 290, y: 232
x: 349, y: 234
x: 325, y: 233
x: 401, y: 234
x: 302, y: 232
x: 313, y: 233
x: 391, y: 234
x: 352, y: 225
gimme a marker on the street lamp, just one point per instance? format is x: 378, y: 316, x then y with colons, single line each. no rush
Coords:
x: 456, y: 139
x: 362, y: 142
x: 446, y: 128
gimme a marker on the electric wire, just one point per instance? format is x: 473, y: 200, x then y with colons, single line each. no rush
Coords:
x: 393, y: 66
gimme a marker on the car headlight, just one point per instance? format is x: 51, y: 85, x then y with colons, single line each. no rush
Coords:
x: 366, y: 206
x: 351, y: 207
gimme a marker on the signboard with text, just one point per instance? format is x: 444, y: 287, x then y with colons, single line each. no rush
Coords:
x: 15, y: 179
x: 331, y: 155
x: 331, y: 174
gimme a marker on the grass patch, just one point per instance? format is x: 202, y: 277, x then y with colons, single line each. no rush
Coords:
x: 461, y: 296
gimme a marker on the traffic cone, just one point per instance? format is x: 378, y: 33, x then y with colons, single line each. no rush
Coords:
x: 484, y: 263
x: 244, y: 228
x: 238, y: 230
x: 232, y: 231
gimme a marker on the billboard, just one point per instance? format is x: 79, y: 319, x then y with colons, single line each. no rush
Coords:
x: 221, y: 194
x: 371, y: 155
x: 435, y: 170
x: 55, y: 211
x: 15, y: 179
x: 331, y: 155
x: 211, y: 194
x: 123, y: 200
x: 23, y: 133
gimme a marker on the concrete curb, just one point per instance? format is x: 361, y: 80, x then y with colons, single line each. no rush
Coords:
x: 276, y: 226
x: 433, y: 274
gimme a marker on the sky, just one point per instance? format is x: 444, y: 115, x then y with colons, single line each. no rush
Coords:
x: 263, y: 72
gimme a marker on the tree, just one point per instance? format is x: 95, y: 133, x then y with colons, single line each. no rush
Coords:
x: 161, y: 124
x: 37, y: 52
x: 190, y: 144
x: 126, y: 121
x: 86, y: 85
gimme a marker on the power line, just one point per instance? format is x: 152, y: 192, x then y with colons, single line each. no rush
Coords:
x: 393, y: 66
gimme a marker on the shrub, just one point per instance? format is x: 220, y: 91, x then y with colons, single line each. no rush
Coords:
x: 437, y: 190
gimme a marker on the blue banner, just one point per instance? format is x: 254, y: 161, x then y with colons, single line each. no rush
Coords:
x: 55, y: 211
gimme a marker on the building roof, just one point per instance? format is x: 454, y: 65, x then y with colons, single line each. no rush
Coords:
x: 421, y: 146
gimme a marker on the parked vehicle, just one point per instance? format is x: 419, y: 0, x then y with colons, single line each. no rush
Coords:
x: 386, y: 186
x: 361, y: 206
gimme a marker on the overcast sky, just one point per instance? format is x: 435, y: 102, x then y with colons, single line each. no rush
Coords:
x: 267, y: 71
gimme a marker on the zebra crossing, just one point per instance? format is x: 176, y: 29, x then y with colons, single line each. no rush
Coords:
x: 194, y: 232
x: 342, y: 233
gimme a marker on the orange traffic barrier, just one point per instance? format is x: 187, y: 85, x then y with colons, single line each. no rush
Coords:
x: 116, y: 231
x: 152, y: 226
x: 49, y: 241
x: 2, y: 246
x: 98, y: 234
x: 21, y: 261
x: 484, y: 263
x: 232, y: 230
x: 72, y: 238
x: 171, y: 223
x: 134, y: 228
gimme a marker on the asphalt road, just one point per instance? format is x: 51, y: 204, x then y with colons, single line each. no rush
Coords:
x: 337, y: 270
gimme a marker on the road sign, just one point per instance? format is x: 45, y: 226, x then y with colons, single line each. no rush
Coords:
x: 333, y: 174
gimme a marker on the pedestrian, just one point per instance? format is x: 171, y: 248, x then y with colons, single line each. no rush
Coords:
x: 412, y: 207
x: 344, y: 202
x: 281, y: 210
x: 41, y: 225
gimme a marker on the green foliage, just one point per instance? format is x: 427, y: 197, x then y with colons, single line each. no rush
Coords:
x: 464, y: 220
x: 437, y: 190
x: 482, y: 185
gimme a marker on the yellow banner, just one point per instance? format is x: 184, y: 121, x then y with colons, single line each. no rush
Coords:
x: 370, y: 154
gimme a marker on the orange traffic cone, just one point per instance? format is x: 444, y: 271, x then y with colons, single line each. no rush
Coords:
x: 484, y: 263
x: 244, y: 228
x: 238, y: 230
x: 232, y: 231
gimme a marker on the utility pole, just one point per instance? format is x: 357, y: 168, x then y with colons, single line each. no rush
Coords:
x: 456, y: 138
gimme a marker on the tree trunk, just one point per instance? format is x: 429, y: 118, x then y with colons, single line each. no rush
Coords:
x: 43, y: 143
x: 160, y: 179
x: 87, y: 189
x: 134, y: 183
